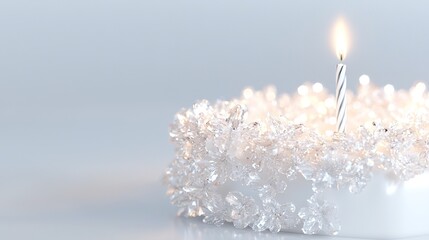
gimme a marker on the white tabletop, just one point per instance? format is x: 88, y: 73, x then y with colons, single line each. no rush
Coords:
x: 88, y: 89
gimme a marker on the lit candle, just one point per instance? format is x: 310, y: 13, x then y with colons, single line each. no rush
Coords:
x: 341, y: 79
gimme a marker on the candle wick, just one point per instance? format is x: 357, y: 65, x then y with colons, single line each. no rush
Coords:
x: 341, y: 57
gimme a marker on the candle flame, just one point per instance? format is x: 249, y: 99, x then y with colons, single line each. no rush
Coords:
x: 341, y: 38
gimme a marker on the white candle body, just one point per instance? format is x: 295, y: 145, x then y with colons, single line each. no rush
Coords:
x: 341, y: 97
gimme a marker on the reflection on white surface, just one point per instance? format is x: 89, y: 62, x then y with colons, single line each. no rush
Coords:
x: 135, y: 213
x: 194, y: 229
x: 391, y: 189
x: 88, y: 88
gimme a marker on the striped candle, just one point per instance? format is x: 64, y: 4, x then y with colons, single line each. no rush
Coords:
x: 341, y: 39
x: 341, y: 112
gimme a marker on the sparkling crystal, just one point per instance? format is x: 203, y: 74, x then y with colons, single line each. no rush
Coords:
x: 242, y: 209
x: 215, y: 210
x: 263, y: 141
x: 276, y: 216
x: 319, y: 217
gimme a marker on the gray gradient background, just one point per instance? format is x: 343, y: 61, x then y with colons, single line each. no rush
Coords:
x: 88, y: 89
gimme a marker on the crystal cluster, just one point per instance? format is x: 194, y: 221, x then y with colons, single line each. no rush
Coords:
x: 261, y: 142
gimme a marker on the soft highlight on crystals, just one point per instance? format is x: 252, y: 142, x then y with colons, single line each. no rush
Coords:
x: 261, y: 142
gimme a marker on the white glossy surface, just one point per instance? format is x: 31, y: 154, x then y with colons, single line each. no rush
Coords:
x: 134, y: 208
x: 386, y: 209
x: 88, y: 88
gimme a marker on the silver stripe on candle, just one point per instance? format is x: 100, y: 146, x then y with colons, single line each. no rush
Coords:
x: 341, y: 97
